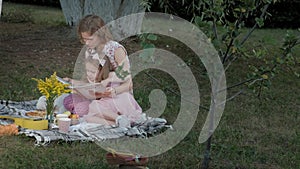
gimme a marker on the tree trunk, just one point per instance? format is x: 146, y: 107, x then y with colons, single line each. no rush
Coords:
x: 73, y: 10
x: 0, y: 7
x: 129, y: 24
x: 109, y: 11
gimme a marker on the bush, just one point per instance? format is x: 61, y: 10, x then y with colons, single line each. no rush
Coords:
x: 284, y: 14
x: 52, y: 3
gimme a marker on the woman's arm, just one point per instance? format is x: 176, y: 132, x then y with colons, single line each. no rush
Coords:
x: 125, y: 83
x: 122, y: 61
x: 113, y: 78
x: 124, y: 87
x: 113, y: 91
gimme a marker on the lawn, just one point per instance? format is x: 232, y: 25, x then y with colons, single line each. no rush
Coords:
x: 254, y: 133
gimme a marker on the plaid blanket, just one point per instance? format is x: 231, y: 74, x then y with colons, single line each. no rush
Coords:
x: 8, y: 107
x: 83, y: 131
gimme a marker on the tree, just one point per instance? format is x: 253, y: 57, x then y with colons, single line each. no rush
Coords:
x: 108, y: 10
x: 222, y: 21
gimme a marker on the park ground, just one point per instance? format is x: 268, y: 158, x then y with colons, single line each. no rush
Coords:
x: 258, y: 133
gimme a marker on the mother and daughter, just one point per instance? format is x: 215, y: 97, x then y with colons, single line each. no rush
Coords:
x: 102, y: 56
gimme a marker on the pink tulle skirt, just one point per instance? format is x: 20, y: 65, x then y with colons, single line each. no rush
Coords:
x: 122, y: 104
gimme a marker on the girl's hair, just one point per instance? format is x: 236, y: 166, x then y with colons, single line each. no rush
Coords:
x: 103, y: 71
x: 93, y: 24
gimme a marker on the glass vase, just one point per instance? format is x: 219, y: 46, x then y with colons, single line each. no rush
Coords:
x: 49, y: 113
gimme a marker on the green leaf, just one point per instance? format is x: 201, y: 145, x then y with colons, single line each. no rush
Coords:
x: 259, y: 21
x: 147, y: 55
x: 237, y: 9
x: 152, y: 37
x: 143, y: 44
x: 199, y: 22
x: 148, y: 45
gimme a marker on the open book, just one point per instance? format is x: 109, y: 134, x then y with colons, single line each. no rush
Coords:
x: 83, y: 88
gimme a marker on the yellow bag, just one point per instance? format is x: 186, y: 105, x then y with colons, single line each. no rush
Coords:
x: 29, y: 123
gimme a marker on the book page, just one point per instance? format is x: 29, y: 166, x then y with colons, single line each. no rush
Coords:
x: 84, y: 88
x: 63, y: 81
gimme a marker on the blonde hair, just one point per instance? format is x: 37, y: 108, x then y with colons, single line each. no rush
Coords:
x: 103, y: 71
x: 93, y: 24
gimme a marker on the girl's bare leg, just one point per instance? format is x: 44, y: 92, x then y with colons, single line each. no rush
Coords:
x: 98, y: 120
x: 110, y: 115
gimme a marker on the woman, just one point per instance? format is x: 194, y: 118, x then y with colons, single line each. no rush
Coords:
x: 103, y: 56
x: 107, y: 110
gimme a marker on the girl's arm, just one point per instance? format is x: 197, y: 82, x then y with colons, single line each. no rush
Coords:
x: 74, y: 82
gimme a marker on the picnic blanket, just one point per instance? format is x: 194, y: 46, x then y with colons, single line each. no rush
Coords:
x: 82, y: 131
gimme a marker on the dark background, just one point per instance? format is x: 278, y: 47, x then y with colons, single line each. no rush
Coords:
x: 285, y: 14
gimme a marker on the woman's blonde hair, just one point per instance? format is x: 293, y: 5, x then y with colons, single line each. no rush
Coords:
x: 93, y: 24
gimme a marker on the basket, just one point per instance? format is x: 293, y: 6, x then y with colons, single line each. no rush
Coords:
x: 126, y: 159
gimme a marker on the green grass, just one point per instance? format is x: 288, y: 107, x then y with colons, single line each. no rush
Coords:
x: 254, y: 133
x: 18, y: 13
x: 59, y: 155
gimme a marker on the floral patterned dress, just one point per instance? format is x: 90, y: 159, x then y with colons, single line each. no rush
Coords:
x: 123, y: 103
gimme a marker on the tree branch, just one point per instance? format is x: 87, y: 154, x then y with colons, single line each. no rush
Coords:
x: 174, y: 92
x: 246, y: 37
x: 214, y: 26
x: 255, y: 25
x: 226, y: 56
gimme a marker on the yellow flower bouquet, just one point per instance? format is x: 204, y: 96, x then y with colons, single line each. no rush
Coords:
x: 51, y: 88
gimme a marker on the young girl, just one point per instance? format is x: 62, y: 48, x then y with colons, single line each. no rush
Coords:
x: 107, y: 110
x: 102, y: 57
